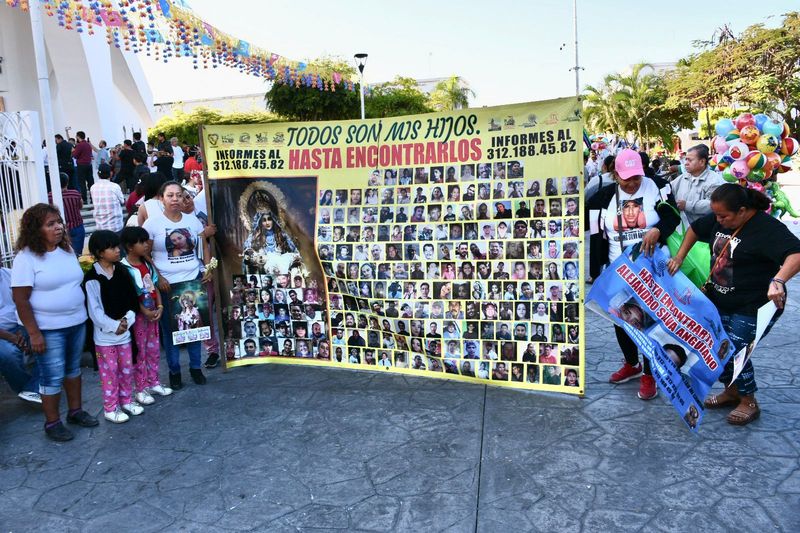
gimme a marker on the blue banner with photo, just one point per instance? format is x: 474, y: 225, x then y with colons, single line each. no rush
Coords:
x: 671, y: 321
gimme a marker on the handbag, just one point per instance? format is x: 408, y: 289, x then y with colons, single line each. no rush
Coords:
x: 697, y: 264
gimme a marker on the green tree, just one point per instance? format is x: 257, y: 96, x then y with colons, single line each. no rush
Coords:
x: 399, y: 97
x: 185, y: 126
x: 760, y: 68
x: 310, y: 103
x: 449, y: 95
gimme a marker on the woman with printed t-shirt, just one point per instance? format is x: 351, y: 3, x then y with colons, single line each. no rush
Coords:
x: 753, y: 255
x: 46, y: 285
x: 175, y: 247
x: 633, y: 211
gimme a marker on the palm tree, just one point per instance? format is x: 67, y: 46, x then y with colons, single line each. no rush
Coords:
x: 449, y: 95
x: 635, y: 104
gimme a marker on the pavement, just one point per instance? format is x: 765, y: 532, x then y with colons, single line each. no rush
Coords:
x: 292, y: 448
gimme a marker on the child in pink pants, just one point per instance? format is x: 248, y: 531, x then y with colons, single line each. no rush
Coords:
x: 145, y: 328
x: 112, y: 303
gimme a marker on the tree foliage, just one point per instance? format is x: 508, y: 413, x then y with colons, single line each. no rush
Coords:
x: 185, y: 126
x: 760, y: 68
x: 635, y: 104
x: 449, y: 95
x: 399, y: 97
x: 310, y: 103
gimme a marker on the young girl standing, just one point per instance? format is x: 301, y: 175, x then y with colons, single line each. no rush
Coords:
x: 112, y: 303
x: 145, y: 328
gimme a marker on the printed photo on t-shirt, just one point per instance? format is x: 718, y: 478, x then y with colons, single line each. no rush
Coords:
x: 722, y: 259
x: 631, y: 215
x: 179, y: 243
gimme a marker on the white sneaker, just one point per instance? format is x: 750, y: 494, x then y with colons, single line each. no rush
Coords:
x: 117, y: 417
x: 144, y: 398
x: 29, y: 396
x: 133, y: 408
x: 161, y: 390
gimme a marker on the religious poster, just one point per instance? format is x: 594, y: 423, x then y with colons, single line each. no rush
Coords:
x: 441, y: 245
x: 191, y: 321
x: 671, y: 321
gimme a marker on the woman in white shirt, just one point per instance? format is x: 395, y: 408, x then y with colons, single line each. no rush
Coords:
x: 176, y: 240
x: 46, y: 285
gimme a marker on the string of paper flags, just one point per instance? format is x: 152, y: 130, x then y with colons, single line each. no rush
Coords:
x: 166, y: 29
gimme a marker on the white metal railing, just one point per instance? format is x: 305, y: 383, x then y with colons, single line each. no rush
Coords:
x: 21, y: 175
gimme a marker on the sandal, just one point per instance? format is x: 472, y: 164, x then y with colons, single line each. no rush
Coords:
x: 742, y: 417
x: 728, y: 397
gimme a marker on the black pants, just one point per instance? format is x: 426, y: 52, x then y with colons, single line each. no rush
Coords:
x: 85, y: 180
x: 69, y: 170
x: 630, y: 350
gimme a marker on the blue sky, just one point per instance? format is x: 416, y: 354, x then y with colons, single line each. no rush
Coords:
x: 508, y: 51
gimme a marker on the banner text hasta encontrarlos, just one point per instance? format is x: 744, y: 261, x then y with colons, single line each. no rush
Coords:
x: 411, y: 142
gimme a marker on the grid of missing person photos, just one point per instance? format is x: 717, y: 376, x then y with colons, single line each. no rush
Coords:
x: 271, y: 316
x: 468, y: 269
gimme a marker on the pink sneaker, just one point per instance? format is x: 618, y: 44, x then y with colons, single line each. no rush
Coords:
x: 626, y: 373
x: 647, y: 388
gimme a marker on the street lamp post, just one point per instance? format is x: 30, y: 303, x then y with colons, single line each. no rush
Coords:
x: 361, y: 61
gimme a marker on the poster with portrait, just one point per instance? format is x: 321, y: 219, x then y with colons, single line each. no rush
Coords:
x: 191, y: 321
x: 441, y: 245
x: 671, y: 321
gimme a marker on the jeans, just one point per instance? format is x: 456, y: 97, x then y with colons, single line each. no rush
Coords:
x: 177, y: 174
x: 631, y: 351
x: 78, y: 236
x: 12, y: 367
x: 61, y: 358
x: 85, y: 179
x: 742, y: 330
x: 173, y: 353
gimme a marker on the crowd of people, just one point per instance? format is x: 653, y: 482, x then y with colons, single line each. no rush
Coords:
x: 633, y: 201
x: 123, y: 303
x: 152, y: 232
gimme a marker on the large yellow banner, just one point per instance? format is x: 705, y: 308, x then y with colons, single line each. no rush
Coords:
x: 441, y: 245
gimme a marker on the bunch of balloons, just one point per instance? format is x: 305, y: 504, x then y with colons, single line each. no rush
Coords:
x: 599, y: 142
x: 752, y: 150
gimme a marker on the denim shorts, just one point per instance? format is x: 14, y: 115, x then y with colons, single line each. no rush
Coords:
x: 61, y: 358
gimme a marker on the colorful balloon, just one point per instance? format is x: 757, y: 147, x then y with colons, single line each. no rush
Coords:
x: 727, y: 176
x: 732, y: 135
x: 739, y: 169
x: 773, y: 160
x: 755, y: 176
x: 786, y: 131
x: 761, y: 118
x: 755, y: 160
x: 745, y: 119
x: 768, y: 143
x: 749, y: 134
x: 724, y: 126
x: 738, y: 150
x: 720, y: 146
x: 789, y: 146
x: 772, y: 127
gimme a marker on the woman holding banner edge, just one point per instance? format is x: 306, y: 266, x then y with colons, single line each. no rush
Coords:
x: 747, y: 271
x: 635, y: 210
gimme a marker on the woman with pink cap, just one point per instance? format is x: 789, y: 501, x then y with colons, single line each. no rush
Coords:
x: 632, y: 210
